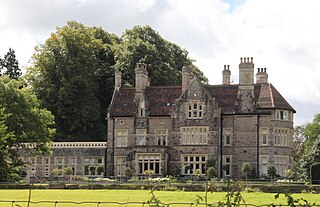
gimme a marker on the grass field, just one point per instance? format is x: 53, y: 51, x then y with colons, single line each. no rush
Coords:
x: 256, y: 198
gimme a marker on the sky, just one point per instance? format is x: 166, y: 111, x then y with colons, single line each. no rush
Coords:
x: 281, y: 35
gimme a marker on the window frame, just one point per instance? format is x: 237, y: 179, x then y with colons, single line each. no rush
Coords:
x: 161, y: 137
x: 197, y: 135
x: 196, y: 161
x: 229, y: 164
x: 282, y: 137
x: 145, y: 162
x: 195, y: 110
x: 230, y: 133
x: 262, y: 164
x: 264, y: 135
x: 141, y: 135
x: 120, y: 165
x: 281, y: 163
x: 121, y: 138
x: 282, y: 115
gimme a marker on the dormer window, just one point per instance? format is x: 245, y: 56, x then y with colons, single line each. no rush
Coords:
x: 195, y: 110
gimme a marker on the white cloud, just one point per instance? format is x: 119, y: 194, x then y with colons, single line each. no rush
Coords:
x: 282, y: 36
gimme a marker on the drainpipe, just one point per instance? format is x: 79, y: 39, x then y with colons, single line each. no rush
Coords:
x: 221, y: 139
x: 112, y: 154
x: 258, y: 145
x: 106, y: 154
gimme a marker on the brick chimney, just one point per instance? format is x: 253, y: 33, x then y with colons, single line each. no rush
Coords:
x: 246, y: 98
x: 226, y: 74
x: 117, y: 79
x: 246, y: 71
x: 262, y: 75
x: 142, y: 79
x: 186, y: 77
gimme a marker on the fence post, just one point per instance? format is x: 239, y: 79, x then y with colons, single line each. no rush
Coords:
x: 55, y: 204
x: 98, y: 204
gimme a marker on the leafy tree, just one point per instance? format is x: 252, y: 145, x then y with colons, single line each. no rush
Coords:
x: 164, y: 59
x: 5, y: 136
x: 68, y: 172
x: 299, y: 138
x: 22, y: 120
x: 211, y: 172
x: 10, y: 65
x: 246, y: 168
x: 128, y: 172
x: 72, y: 75
x: 100, y: 169
x: 311, y: 157
x: 312, y: 132
x: 272, y: 172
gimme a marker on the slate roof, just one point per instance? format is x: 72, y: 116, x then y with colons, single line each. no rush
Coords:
x: 161, y: 98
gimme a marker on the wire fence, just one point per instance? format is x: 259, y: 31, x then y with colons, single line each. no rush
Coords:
x: 119, y: 204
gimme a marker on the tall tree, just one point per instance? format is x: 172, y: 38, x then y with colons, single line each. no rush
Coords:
x: 312, y: 156
x: 10, y: 65
x: 22, y: 120
x: 312, y: 132
x: 71, y: 75
x: 164, y: 59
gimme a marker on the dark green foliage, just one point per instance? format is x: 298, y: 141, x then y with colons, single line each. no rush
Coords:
x: 311, y: 152
x: 246, y: 168
x: 22, y: 120
x: 272, y: 172
x: 310, y: 158
x: 9, y: 65
x: 312, y: 131
x: 292, y: 202
x: 164, y: 59
x: 73, y: 77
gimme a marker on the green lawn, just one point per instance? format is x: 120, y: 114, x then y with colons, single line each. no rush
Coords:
x: 256, y: 198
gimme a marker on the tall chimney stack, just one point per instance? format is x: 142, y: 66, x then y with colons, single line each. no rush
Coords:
x: 246, y: 71
x: 117, y: 79
x: 226, y: 74
x: 186, y: 77
x: 262, y: 75
x: 142, y: 79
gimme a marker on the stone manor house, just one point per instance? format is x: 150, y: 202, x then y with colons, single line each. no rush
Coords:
x: 176, y: 130
x: 179, y: 129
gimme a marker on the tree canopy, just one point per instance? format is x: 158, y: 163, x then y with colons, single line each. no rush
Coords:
x: 311, y: 152
x: 73, y: 73
x: 22, y: 120
x: 164, y: 59
x: 312, y: 131
x: 9, y: 65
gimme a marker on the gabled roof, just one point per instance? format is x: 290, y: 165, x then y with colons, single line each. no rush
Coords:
x: 122, y: 102
x: 160, y: 99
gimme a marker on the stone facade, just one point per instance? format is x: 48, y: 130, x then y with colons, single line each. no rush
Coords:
x: 180, y: 129
x: 82, y: 157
